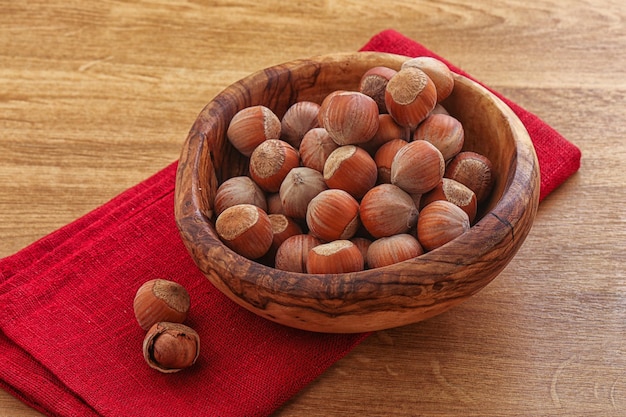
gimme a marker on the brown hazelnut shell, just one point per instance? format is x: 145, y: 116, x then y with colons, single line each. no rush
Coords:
x: 160, y: 300
x: 417, y: 167
x: 246, y: 229
x: 270, y: 163
x: 171, y: 347
x: 336, y: 257
x: 439, y: 223
x: 333, y: 214
x: 410, y: 96
x: 251, y: 126
x: 352, y: 169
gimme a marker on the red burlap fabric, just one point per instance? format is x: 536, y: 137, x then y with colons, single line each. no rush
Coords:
x: 69, y: 343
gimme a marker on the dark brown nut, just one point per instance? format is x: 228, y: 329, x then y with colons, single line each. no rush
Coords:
x: 373, y: 84
x: 474, y: 171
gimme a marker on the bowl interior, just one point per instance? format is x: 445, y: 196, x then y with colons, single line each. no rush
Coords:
x: 373, y: 299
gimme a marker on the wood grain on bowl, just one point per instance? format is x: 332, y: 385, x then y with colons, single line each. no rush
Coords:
x: 374, y: 299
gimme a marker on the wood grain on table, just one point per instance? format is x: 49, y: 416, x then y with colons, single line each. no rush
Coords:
x: 96, y: 96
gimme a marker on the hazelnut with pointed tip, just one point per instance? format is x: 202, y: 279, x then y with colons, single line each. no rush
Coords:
x: 387, y: 210
x: 349, y: 117
x: 443, y: 131
x: 439, y: 223
x: 315, y: 148
x: 298, y: 188
x: 251, y: 126
x: 417, y: 167
x: 383, y: 158
x: 299, y: 119
x: 333, y: 214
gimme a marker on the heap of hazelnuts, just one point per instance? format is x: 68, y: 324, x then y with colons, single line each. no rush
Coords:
x: 363, y: 180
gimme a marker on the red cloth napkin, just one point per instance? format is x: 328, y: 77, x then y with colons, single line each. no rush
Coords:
x: 69, y: 343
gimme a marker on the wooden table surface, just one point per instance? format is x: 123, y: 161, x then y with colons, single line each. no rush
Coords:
x: 96, y: 96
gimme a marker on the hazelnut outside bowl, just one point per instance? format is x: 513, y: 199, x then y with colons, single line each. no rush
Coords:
x: 391, y: 296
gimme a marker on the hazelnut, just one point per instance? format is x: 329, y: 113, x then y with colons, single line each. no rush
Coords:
x: 251, y: 126
x: 474, y: 171
x: 274, y: 205
x: 454, y: 192
x: 239, y: 190
x: 363, y: 244
x: 417, y: 167
x: 387, y: 210
x: 439, y: 109
x: 373, y: 84
x: 246, y: 229
x: 349, y: 117
x: 325, y: 103
x: 393, y: 249
x: 160, y: 300
x: 315, y: 147
x: 383, y: 158
x: 436, y: 71
x: 440, y: 222
x: 299, y: 119
x: 443, y: 131
x: 283, y: 228
x: 352, y: 169
x: 171, y: 347
x: 410, y: 96
x: 292, y: 254
x: 298, y: 188
x: 388, y: 130
x: 270, y: 163
x: 333, y: 214
x: 336, y: 257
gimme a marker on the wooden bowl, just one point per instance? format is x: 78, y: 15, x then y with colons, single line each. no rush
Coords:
x: 369, y: 300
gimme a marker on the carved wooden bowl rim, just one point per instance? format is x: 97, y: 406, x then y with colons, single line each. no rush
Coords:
x: 368, y: 300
